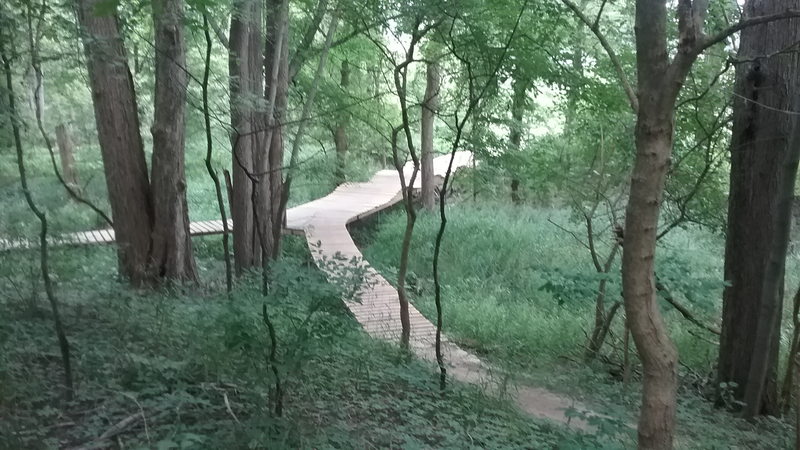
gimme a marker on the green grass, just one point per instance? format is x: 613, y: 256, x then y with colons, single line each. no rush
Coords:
x: 177, y: 356
x: 495, y: 260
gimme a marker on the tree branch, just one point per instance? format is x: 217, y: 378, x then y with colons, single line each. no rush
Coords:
x: 287, y: 184
x: 682, y: 309
x: 594, y: 26
x: 218, y: 32
x: 596, y: 23
x: 300, y: 55
x: 746, y: 23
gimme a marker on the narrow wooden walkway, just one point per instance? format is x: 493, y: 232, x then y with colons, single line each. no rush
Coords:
x: 106, y: 236
x: 324, y: 224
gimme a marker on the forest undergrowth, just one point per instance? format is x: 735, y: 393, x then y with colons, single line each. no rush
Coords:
x: 519, y: 291
x: 188, y: 369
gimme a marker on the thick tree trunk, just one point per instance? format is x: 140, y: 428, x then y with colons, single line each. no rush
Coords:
x: 772, y: 291
x: 120, y: 143
x: 245, y: 87
x: 172, y: 256
x: 66, y: 151
x: 765, y: 88
x: 270, y: 186
x: 515, y: 133
x: 340, y: 133
x: 788, y: 379
x: 429, y: 108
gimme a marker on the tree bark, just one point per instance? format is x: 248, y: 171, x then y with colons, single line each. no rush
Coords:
x: 770, y: 313
x: 340, y: 133
x: 659, y: 82
x: 520, y: 86
x: 120, y: 143
x: 270, y: 162
x: 765, y: 87
x: 656, y: 349
x: 788, y: 379
x: 172, y: 256
x: 430, y: 106
x: 245, y: 87
x: 66, y: 151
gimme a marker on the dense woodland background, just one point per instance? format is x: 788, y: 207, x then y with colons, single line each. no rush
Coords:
x: 622, y: 239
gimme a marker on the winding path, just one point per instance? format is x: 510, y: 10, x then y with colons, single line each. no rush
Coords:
x: 324, y: 224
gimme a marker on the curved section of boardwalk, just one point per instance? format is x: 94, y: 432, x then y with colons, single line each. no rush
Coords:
x: 324, y: 223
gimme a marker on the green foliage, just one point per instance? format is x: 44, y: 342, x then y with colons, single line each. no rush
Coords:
x: 525, y: 288
x: 193, y: 364
x: 520, y: 292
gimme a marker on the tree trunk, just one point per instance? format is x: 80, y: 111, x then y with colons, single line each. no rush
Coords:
x: 212, y: 172
x: 772, y: 291
x: 659, y: 83
x: 270, y: 187
x: 429, y: 107
x: 515, y: 133
x: 120, y: 143
x: 658, y: 353
x: 765, y: 88
x: 245, y: 87
x: 340, y: 133
x: 172, y: 256
x: 41, y: 215
x: 304, y: 117
x: 66, y: 152
x: 136, y: 66
x: 36, y: 89
x: 402, y: 295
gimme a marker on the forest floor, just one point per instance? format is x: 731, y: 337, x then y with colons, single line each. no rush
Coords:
x: 188, y: 367
x: 518, y: 291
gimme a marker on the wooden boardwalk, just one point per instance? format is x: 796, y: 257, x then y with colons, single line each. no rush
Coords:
x: 324, y: 224
x: 106, y: 236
